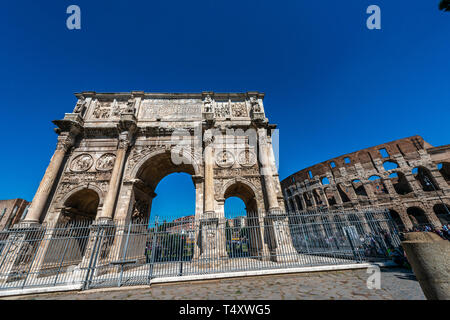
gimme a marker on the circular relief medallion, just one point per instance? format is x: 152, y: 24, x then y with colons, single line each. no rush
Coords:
x: 105, y: 162
x: 247, y: 158
x: 81, y: 163
x: 224, y: 159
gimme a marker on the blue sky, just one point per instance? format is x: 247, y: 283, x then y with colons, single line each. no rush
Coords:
x: 331, y: 85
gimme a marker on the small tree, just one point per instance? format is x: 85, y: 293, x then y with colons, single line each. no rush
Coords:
x: 444, y: 5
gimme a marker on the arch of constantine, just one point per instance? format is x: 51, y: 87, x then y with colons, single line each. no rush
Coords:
x: 114, y: 149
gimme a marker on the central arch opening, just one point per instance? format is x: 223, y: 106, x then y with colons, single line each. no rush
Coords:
x: 243, y: 232
x: 164, y: 194
x: 164, y: 189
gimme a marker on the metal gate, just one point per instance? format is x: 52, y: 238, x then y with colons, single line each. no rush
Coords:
x: 119, y: 253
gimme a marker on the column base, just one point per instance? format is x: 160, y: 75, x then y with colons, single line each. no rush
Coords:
x: 212, y: 238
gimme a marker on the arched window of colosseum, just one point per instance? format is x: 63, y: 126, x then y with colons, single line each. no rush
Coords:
x: 358, y: 186
x: 330, y: 196
x: 289, y: 193
x: 310, y: 174
x: 378, y: 185
x: 325, y: 181
x: 343, y: 192
x: 425, y: 178
x: 442, y: 211
x: 400, y: 183
x: 291, y: 205
x: 317, y: 197
x: 347, y: 160
x: 307, y: 200
x: 444, y: 169
x: 418, y: 217
x: 397, y: 220
x: 332, y: 164
x: 390, y: 165
x: 384, y: 153
x: 299, y: 203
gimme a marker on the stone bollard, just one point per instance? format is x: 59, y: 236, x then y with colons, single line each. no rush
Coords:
x: 429, y: 256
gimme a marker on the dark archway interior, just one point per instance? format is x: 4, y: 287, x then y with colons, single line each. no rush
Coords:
x: 343, y: 193
x: 330, y: 196
x: 442, y: 212
x: 82, y: 205
x: 445, y: 171
x: 426, y: 179
x: 397, y: 220
x: 317, y: 197
x: 299, y: 203
x: 307, y: 199
x: 417, y: 216
x: 401, y: 184
x: 359, y: 188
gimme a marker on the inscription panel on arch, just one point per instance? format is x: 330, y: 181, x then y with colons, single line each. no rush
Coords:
x: 171, y: 109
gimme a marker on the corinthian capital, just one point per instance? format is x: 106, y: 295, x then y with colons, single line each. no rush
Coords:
x: 65, y: 141
x: 124, y: 140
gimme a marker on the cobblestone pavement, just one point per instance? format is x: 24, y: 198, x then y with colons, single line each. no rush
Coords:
x: 396, y: 283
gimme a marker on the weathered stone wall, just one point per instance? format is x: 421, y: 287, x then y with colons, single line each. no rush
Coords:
x: 11, y: 212
x: 413, y: 182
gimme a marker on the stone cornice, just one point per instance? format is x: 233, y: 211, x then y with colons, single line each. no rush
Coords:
x: 170, y: 95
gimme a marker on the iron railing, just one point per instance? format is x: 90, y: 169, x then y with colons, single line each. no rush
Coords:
x: 121, y: 253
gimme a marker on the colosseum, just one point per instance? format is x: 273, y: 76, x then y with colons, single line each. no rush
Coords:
x: 409, y: 177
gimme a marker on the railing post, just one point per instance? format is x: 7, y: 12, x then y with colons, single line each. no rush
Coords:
x: 63, y: 256
x: 34, y: 257
x: 351, y: 245
x: 152, y: 259
x: 124, y: 255
x: 91, y: 259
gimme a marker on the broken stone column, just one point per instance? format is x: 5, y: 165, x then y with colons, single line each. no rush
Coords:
x: 266, y: 171
x: 429, y: 255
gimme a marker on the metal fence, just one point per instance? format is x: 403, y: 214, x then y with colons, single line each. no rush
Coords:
x: 120, y: 253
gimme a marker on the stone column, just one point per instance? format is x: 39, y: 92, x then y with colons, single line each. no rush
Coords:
x: 390, y: 189
x: 65, y: 141
x: 405, y: 218
x: 116, y: 175
x: 337, y: 195
x: 368, y: 186
x: 211, y: 233
x: 266, y: 171
x: 282, y: 249
x: 127, y: 126
x: 209, y: 179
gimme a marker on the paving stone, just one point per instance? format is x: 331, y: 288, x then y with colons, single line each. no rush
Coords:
x: 343, y: 285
